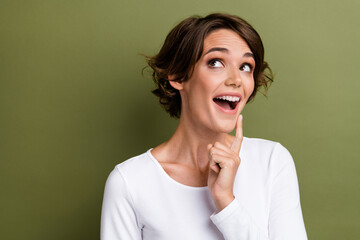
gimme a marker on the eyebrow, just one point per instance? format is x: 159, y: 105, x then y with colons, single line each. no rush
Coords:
x: 215, y: 49
x: 249, y: 54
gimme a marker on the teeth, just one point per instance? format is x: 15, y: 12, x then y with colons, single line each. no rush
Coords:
x: 229, y: 98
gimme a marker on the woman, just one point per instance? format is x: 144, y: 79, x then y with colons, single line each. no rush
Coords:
x: 204, y: 183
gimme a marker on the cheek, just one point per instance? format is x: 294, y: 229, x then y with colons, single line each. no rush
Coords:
x: 249, y: 88
x: 252, y: 86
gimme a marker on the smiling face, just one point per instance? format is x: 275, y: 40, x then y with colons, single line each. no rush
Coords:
x: 221, y: 83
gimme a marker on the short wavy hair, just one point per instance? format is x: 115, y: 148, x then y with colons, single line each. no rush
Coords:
x: 183, y: 47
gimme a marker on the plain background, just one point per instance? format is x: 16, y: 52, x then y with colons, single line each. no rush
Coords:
x: 73, y: 104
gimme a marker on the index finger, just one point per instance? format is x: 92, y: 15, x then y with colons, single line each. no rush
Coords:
x: 236, y: 145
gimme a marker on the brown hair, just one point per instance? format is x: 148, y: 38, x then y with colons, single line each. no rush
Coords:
x: 183, y: 47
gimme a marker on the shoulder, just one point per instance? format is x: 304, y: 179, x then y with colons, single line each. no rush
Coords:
x: 258, y: 143
x: 135, y: 167
x: 263, y: 144
x: 270, y: 151
x: 260, y: 146
x: 133, y: 171
x: 134, y: 164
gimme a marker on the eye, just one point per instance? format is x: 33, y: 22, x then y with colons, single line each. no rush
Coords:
x: 246, y: 67
x: 215, y: 63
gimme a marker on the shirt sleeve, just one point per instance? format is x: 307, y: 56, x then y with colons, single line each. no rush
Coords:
x: 285, y: 219
x: 285, y: 216
x: 235, y: 224
x: 118, y: 216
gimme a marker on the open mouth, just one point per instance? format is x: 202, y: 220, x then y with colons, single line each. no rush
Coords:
x: 227, y: 102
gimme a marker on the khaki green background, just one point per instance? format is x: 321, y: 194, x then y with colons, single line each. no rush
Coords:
x: 73, y: 104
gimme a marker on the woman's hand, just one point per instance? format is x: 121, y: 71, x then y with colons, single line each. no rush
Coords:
x: 224, y: 162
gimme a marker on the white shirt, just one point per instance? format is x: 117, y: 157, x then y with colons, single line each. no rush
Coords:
x: 141, y: 201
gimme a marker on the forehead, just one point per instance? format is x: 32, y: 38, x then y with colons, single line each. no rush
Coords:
x: 225, y: 38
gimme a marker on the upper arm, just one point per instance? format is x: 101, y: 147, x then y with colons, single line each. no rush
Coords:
x: 118, y: 216
x: 285, y: 220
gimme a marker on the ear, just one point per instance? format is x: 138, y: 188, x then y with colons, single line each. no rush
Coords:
x: 177, y: 85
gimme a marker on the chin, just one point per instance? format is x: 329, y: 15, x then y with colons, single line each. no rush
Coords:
x: 226, y: 128
x: 229, y: 130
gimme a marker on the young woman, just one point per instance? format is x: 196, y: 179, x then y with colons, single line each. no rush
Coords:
x: 203, y: 183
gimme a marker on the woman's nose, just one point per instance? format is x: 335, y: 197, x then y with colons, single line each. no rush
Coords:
x: 233, y: 78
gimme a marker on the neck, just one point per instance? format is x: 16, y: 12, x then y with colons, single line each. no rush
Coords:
x: 189, y: 144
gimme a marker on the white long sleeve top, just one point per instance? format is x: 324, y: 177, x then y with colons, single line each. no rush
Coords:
x: 141, y: 201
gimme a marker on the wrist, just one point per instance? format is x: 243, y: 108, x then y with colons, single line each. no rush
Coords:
x: 223, y: 202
